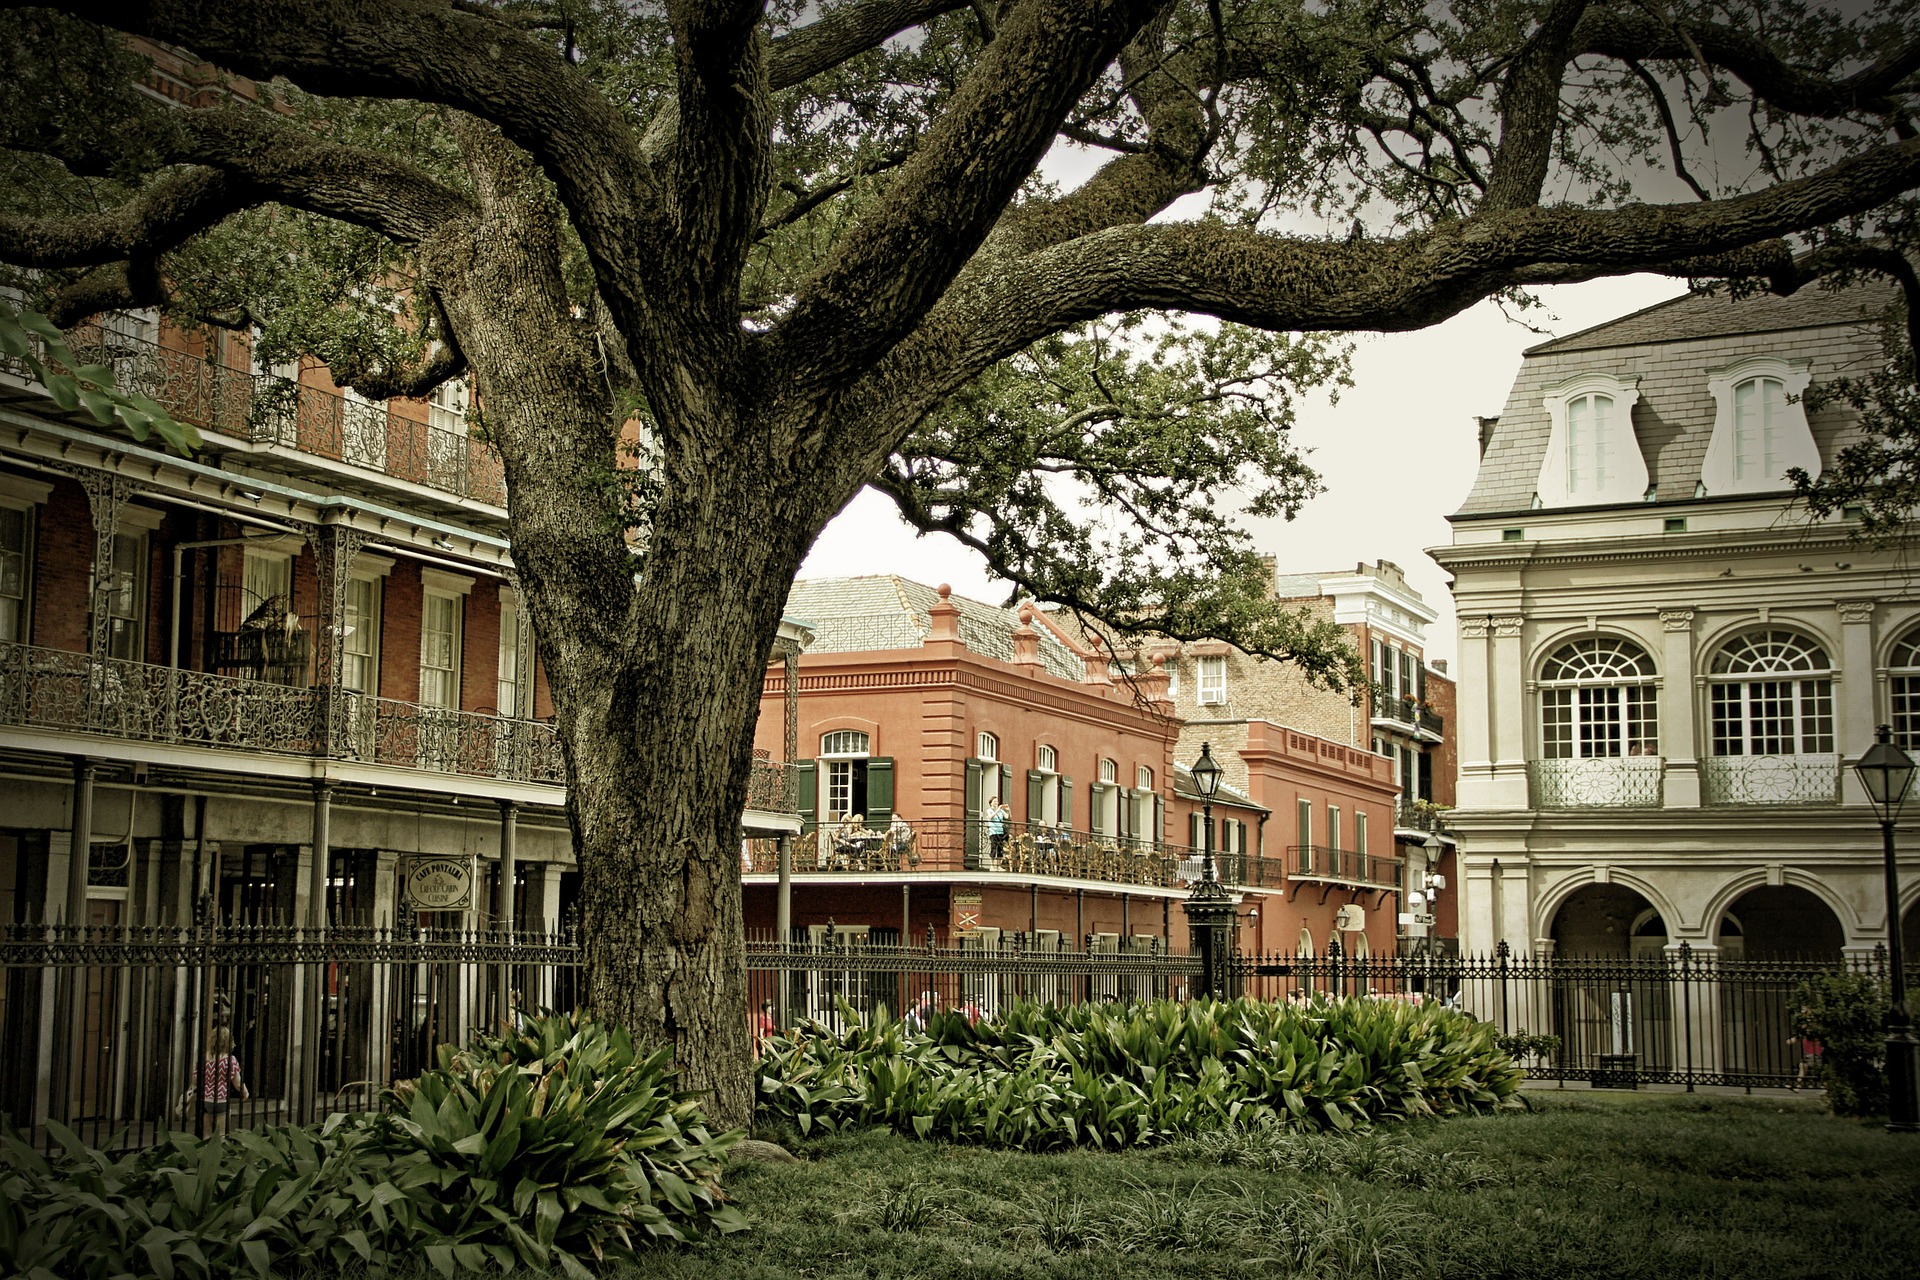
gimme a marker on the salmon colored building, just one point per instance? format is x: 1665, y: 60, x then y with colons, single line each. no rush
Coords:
x: 917, y: 710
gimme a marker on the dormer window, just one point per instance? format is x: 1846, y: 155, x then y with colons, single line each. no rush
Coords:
x: 1592, y: 454
x: 1759, y: 427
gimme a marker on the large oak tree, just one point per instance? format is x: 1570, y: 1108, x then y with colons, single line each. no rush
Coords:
x: 811, y: 248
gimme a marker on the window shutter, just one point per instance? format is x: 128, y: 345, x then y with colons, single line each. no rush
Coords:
x: 1097, y: 808
x: 1066, y: 802
x: 1420, y: 679
x: 970, y: 849
x: 806, y: 792
x: 1036, y: 794
x: 1240, y: 841
x: 1194, y: 834
x: 1006, y: 787
x: 879, y: 793
x: 1159, y: 818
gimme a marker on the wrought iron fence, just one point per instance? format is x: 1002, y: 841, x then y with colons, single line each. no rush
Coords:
x: 1739, y: 780
x: 945, y: 846
x: 1604, y: 782
x: 108, y: 1030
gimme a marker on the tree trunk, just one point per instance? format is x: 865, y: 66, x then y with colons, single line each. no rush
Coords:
x: 656, y: 684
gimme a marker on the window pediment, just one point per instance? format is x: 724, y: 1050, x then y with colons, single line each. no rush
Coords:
x: 1593, y: 455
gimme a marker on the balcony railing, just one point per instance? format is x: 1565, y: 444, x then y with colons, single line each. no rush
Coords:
x: 1409, y: 816
x: 1740, y: 780
x: 266, y: 409
x: 1408, y: 711
x: 951, y: 846
x: 1328, y: 865
x: 133, y: 701
x: 1631, y: 782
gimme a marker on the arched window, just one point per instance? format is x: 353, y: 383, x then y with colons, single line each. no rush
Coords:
x: 1759, y: 428
x: 1590, y: 447
x: 1903, y: 690
x: 1109, y: 771
x: 987, y: 747
x: 1046, y: 759
x: 1771, y: 694
x: 845, y: 742
x: 1597, y: 701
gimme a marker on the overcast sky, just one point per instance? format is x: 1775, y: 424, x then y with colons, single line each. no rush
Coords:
x: 1396, y: 455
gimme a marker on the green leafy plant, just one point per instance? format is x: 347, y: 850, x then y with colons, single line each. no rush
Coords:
x: 1846, y: 1013
x: 1524, y: 1047
x: 37, y: 349
x: 1037, y: 1077
x: 550, y: 1148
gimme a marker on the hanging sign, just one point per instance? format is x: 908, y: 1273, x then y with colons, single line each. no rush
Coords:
x: 966, y: 913
x: 437, y: 883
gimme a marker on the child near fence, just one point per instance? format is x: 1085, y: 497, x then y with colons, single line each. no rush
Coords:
x: 220, y: 1082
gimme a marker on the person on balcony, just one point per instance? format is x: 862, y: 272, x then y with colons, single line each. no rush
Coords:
x: 900, y: 848
x: 997, y: 819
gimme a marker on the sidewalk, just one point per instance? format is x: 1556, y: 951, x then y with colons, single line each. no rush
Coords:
x: 1536, y: 1084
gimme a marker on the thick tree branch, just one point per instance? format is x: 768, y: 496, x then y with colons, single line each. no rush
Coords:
x: 902, y: 256
x: 1619, y: 32
x: 846, y: 32
x: 172, y: 208
x: 112, y: 286
x: 1530, y: 110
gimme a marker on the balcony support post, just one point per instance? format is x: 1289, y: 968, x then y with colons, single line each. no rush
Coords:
x: 783, y: 923
x: 334, y: 549
x: 503, y: 885
x: 320, y: 860
x: 1677, y: 700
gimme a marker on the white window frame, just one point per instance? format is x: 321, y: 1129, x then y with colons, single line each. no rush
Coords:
x: 1626, y: 477
x: 1801, y: 697
x: 1593, y: 715
x: 1047, y: 764
x: 447, y: 587
x: 1110, y: 772
x: 506, y: 668
x: 841, y: 752
x: 1046, y: 759
x: 136, y: 523
x: 1210, y: 679
x: 1721, y: 470
x: 986, y: 746
x: 24, y: 496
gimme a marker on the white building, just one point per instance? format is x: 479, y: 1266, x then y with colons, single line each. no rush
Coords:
x: 1665, y: 666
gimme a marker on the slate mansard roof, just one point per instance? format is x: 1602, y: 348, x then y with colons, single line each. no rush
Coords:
x: 886, y: 611
x: 1673, y: 348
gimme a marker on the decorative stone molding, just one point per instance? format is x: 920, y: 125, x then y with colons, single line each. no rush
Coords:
x: 1676, y: 619
x: 1474, y: 628
x: 1507, y: 628
x: 1855, y: 612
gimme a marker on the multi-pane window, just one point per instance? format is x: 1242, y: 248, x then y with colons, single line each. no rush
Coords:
x: 447, y: 434
x: 1598, y: 700
x: 1212, y: 673
x: 360, y: 636
x: 1903, y: 690
x: 506, y: 683
x: 843, y: 753
x: 440, y: 651
x: 1759, y: 423
x: 16, y: 554
x: 1143, y: 778
x: 1771, y: 694
x: 1589, y: 443
x: 125, y: 597
x: 1109, y: 771
x: 1333, y: 826
x: 987, y: 747
x: 1046, y: 759
x: 1360, y: 834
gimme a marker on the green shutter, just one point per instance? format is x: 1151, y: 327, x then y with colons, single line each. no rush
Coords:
x: 879, y: 793
x: 970, y: 848
x: 1036, y: 794
x: 1159, y: 818
x: 1066, y: 803
x: 1006, y: 789
x: 1194, y: 834
x: 806, y: 791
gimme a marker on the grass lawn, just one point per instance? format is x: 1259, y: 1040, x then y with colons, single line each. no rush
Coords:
x: 1586, y: 1184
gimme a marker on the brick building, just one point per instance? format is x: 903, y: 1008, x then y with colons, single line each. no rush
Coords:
x: 922, y: 706
x: 1227, y: 697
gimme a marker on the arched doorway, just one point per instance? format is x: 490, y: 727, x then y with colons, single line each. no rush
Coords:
x: 1607, y: 922
x: 1780, y: 922
x: 1910, y: 934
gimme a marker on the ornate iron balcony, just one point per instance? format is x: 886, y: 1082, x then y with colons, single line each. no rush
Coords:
x: 1630, y: 782
x: 1740, y: 780
x: 1328, y: 865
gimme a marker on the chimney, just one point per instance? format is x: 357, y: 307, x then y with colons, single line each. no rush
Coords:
x: 1026, y: 641
x: 1154, y: 684
x: 1439, y: 664
x: 944, y: 618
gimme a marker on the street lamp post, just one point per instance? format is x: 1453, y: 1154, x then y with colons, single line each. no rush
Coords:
x: 1887, y: 774
x: 1209, y: 907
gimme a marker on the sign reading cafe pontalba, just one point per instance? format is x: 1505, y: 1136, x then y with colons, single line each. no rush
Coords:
x: 438, y: 883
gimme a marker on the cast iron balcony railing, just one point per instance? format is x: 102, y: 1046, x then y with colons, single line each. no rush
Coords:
x: 1326, y: 865
x: 1742, y: 780
x: 1394, y: 710
x: 270, y: 410
x: 1409, y: 815
x: 1432, y: 721
x: 1629, y: 782
x: 952, y: 846
x: 68, y: 692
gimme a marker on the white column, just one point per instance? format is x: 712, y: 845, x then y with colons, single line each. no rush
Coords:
x: 1479, y: 932
x: 1854, y: 716
x: 1678, y: 736
x: 1516, y: 908
x: 1474, y: 710
x: 1507, y: 678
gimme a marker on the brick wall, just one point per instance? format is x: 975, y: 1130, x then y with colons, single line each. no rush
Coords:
x: 63, y: 568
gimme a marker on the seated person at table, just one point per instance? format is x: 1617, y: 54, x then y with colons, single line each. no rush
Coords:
x: 900, y: 840
x: 854, y: 836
